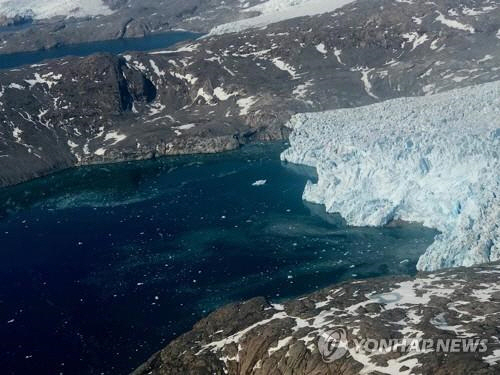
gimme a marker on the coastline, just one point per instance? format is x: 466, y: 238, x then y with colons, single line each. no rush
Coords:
x: 263, y: 337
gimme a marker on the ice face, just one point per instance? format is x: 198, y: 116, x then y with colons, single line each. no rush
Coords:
x: 433, y: 160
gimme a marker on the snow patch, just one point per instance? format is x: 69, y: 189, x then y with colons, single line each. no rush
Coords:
x: 338, y: 52
x: 365, y: 79
x: 273, y: 11
x: 415, y: 38
x: 281, y: 65
x: 157, y: 70
x: 493, y: 359
x: 454, y: 24
x: 115, y: 137
x: 49, y: 79
x: 245, y: 104
x: 185, y: 127
x: 16, y: 86
x: 223, y: 95
x: 321, y: 48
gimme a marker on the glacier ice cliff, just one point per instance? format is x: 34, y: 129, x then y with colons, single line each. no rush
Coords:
x: 433, y: 160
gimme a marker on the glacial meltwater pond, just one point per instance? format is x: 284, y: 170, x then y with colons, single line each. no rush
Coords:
x: 102, y: 266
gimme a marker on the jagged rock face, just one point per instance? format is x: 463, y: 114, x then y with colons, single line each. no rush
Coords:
x: 256, y: 337
x: 223, y: 91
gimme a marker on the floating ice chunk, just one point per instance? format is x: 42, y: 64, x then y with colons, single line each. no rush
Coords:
x: 432, y: 160
x: 259, y: 183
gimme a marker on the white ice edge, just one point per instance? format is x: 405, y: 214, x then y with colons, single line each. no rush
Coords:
x: 432, y: 160
x: 273, y: 11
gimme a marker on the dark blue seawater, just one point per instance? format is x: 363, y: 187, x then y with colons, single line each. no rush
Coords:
x: 102, y: 266
x: 117, y: 46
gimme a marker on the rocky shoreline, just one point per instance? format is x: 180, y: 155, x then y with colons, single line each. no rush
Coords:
x: 258, y: 337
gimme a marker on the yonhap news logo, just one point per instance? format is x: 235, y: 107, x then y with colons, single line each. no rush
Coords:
x: 334, y: 345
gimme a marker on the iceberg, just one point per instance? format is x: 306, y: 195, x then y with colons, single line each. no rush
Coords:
x: 433, y: 160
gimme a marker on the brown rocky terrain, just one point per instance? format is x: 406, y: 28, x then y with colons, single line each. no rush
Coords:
x: 256, y: 337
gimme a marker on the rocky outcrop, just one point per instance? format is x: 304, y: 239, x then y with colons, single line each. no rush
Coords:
x: 298, y: 337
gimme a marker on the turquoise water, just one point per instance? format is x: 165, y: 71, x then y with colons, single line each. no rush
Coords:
x: 103, y: 266
x: 117, y: 46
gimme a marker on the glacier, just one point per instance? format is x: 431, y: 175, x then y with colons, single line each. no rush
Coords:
x: 52, y: 8
x: 273, y: 11
x: 432, y: 160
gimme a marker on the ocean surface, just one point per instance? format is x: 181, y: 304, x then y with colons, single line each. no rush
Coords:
x: 156, y: 41
x: 102, y: 266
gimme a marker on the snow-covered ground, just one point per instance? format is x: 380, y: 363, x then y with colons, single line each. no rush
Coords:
x: 273, y: 11
x: 433, y: 160
x: 40, y: 9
